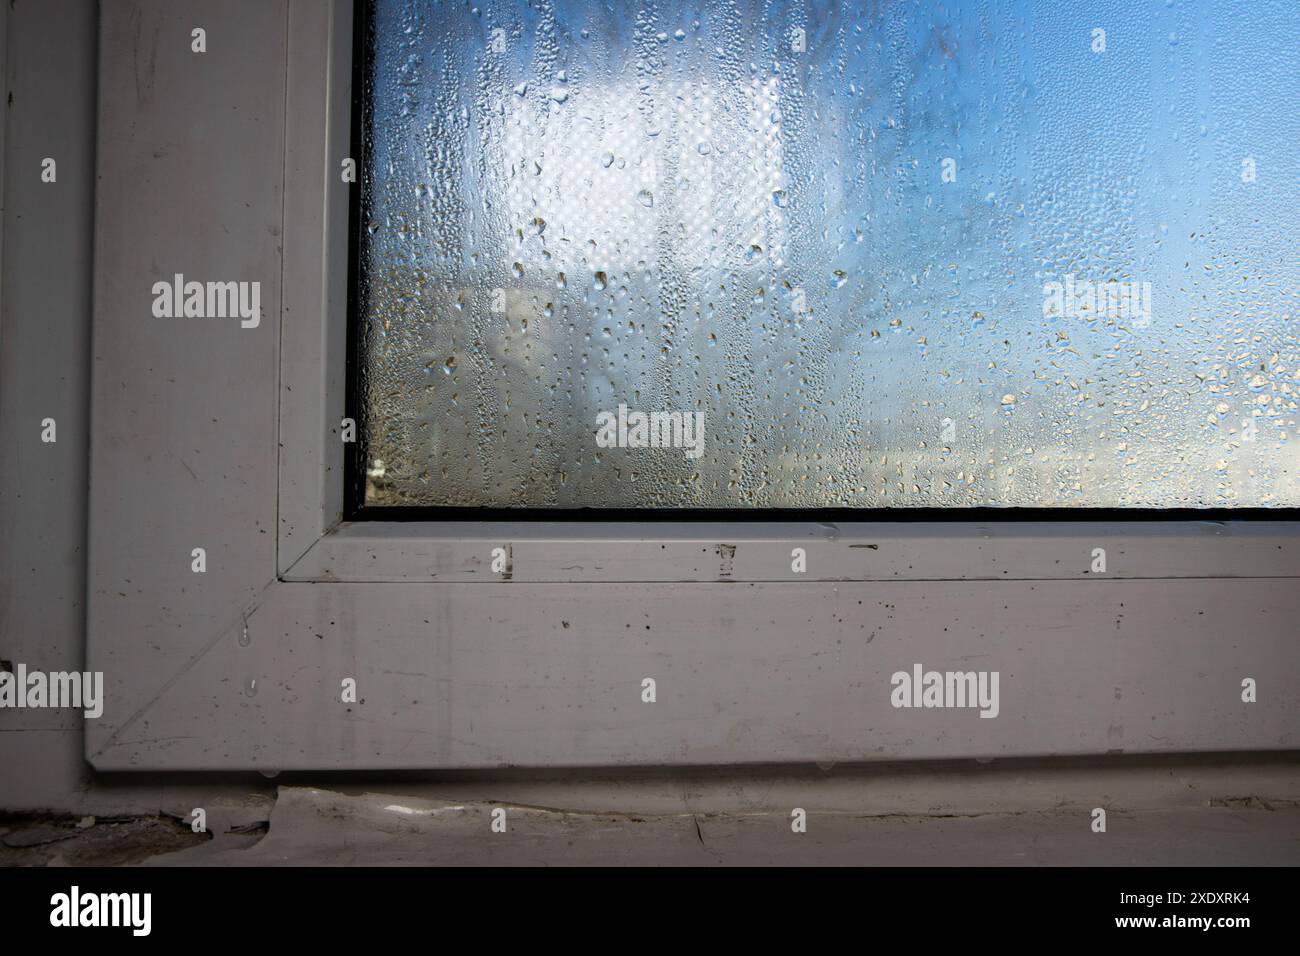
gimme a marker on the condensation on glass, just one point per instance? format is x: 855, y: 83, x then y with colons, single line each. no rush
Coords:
x: 884, y: 255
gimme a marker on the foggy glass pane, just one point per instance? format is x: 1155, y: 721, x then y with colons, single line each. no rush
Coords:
x: 866, y: 254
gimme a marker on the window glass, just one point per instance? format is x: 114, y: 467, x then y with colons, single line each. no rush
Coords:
x: 759, y: 255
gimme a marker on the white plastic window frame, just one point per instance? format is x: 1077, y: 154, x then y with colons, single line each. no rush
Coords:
x: 490, y: 644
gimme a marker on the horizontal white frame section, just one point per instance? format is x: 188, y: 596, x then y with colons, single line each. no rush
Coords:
x: 208, y: 435
x: 536, y: 675
x: 744, y: 551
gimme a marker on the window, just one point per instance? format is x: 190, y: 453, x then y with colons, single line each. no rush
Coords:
x: 858, y: 256
x: 507, y: 641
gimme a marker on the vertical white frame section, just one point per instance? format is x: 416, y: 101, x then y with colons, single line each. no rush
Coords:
x: 314, y: 323
x: 209, y: 435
